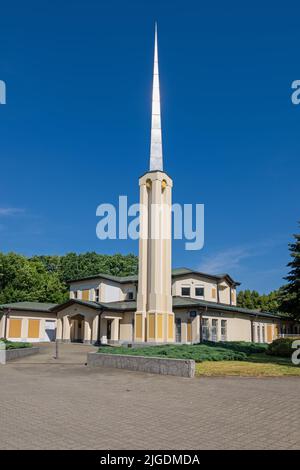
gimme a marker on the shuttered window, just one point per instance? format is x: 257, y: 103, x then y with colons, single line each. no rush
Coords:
x: 15, y: 327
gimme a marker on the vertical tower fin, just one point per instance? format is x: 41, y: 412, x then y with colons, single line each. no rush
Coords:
x: 156, y: 156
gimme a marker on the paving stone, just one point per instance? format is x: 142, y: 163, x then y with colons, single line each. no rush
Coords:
x: 65, y: 405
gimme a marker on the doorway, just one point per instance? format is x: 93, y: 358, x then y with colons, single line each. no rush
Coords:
x: 77, y: 329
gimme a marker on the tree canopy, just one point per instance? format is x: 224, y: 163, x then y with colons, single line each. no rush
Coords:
x: 290, y: 293
x: 43, y: 278
x: 254, y: 301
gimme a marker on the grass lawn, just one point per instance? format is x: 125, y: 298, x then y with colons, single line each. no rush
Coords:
x: 246, y: 369
x: 219, y: 359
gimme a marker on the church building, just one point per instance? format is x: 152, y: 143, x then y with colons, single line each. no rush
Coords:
x: 161, y: 304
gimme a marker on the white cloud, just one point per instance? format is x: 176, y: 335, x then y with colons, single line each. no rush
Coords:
x: 10, y: 211
x: 224, y: 261
x: 231, y: 258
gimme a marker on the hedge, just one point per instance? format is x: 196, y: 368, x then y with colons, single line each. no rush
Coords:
x: 282, y: 347
x: 15, y: 344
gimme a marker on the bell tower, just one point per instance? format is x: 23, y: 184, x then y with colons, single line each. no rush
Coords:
x: 154, y: 319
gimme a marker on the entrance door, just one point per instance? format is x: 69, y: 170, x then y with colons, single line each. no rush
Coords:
x: 80, y: 330
x: 108, y: 333
x: 77, y: 329
x: 178, y: 330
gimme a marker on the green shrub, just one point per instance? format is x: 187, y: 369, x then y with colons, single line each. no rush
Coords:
x: 15, y: 344
x: 198, y: 352
x: 240, y: 346
x: 281, y: 347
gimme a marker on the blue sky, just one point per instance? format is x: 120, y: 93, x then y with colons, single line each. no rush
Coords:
x: 76, y: 127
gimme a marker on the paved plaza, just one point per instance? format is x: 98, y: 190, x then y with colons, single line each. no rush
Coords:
x: 61, y: 404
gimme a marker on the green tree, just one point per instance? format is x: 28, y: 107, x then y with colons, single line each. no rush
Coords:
x: 44, y: 278
x: 248, y: 299
x: 22, y: 279
x: 254, y: 301
x: 290, y: 293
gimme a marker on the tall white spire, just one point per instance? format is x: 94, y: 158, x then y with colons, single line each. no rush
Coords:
x: 156, y: 157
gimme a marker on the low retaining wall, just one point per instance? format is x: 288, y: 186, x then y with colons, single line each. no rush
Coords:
x: 12, y: 354
x: 153, y: 365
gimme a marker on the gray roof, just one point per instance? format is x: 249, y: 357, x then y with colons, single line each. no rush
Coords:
x: 188, y: 302
x: 175, y: 272
x: 32, y: 306
x: 119, y: 306
x: 178, y: 302
x: 110, y: 277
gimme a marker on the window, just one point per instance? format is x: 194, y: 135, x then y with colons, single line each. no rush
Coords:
x: 214, y: 293
x: 186, y: 291
x: 129, y: 295
x: 97, y: 295
x: 178, y: 330
x: 223, y: 330
x: 258, y: 334
x: 75, y: 294
x: 199, y: 291
x: 214, y: 330
x: 205, y: 329
x: 85, y: 294
x: 263, y: 334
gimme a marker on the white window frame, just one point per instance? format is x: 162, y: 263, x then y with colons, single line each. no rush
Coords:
x: 214, y: 337
x: 187, y: 286
x: 97, y: 297
x: 200, y: 286
x: 205, y: 329
x: 224, y: 336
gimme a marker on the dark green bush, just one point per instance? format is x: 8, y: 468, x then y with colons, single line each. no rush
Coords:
x: 15, y: 344
x: 281, y: 347
x: 240, y: 346
x: 198, y: 352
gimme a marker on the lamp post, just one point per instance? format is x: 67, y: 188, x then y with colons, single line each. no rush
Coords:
x: 56, y: 349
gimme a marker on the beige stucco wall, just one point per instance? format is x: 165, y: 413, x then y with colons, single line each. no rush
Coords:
x: 126, y: 327
x: 77, y: 309
x: 210, y: 287
x: 192, y: 282
x: 109, y: 291
x: 25, y: 316
x: 238, y: 326
x: 90, y: 284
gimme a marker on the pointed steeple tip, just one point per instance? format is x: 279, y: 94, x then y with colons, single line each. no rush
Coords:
x: 156, y: 156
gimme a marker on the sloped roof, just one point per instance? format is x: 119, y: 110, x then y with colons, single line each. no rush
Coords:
x: 32, y: 306
x: 178, y: 302
x: 175, y: 272
x: 188, y: 302
x: 120, y: 306
x: 110, y: 277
